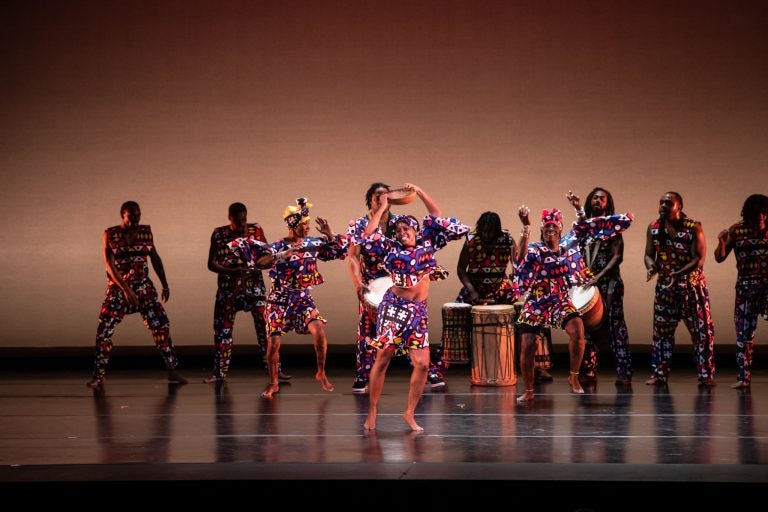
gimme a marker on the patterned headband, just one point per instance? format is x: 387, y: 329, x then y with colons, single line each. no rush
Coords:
x: 295, y: 215
x: 552, y: 217
x: 409, y: 220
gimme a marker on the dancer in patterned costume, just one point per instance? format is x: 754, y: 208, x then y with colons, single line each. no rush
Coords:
x: 401, y: 322
x: 240, y: 288
x: 603, y: 259
x: 293, y: 269
x: 366, y: 263
x: 749, y: 241
x: 675, y: 250
x: 127, y: 248
x: 548, y: 270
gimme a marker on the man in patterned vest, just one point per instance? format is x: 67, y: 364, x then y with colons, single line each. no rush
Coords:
x: 240, y: 288
x: 127, y: 249
x: 675, y: 250
x: 748, y: 240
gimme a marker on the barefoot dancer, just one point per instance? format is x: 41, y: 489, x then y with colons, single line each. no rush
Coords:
x: 401, y: 324
x: 293, y: 269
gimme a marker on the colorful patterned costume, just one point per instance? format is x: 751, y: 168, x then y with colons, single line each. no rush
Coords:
x: 401, y: 322
x: 131, y: 262
x: 751, y: 253
x: 687, y: 298
x: 290, y: 306
x: 235, y: 293
x: 611, y: 289
x: 372, y: 266
x: 548, y: 274
x: 488, y: 271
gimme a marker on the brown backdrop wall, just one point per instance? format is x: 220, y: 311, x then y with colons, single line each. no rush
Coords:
x: 187, y: 106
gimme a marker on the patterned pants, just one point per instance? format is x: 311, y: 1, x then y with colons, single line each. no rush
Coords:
x: 612, y: 292
x: 689, y: 301
x: 751, y: 301
x: 227, y: 305
x: 113, y: 310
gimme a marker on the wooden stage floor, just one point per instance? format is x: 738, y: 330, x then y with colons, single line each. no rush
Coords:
x: 613, y: 448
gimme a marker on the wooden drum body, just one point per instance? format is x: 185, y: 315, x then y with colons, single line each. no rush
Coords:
x: 493, y: 345
x: 457, y: 332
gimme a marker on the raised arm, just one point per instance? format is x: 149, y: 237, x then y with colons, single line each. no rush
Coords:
x: 724, y: 245
x: 373, y: 224
x: 430, y: 203
x: 519, y: 251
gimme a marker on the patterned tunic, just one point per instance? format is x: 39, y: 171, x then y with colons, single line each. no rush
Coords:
x: 487, y: 269
x: 547, y: 275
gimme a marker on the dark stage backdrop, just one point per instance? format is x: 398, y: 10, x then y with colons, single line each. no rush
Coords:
x: 186, y: 106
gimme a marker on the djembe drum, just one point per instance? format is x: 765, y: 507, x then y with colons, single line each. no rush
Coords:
x: 457, y: 332
x: 493, y: 346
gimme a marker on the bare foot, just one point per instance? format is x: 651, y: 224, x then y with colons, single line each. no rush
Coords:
x: 655, y: 379
x: 95, y: 383
x: 213, y: 378
x: 741, y: 385
x: 573, y: 380
x: 525, y: 397
x: 323, y: 380
x: 370, y: 421
x: 411, y: 421
x: 175, y: 378
x: 271, y: 390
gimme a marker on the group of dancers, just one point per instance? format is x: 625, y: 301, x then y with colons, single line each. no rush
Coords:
x: 380, y: 244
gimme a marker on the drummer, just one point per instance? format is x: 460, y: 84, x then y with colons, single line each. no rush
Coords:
x: 548, y: 270
x: 482, y: 269
x: 603, y: 259
x: 366, y: 264
x: 401, y: 323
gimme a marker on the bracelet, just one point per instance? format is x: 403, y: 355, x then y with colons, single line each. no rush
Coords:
x: 581, y: 213
x: 526, y: 231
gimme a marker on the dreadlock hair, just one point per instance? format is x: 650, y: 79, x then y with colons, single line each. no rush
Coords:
x: 127, y: 205
x: 609, y: 208
x: 489, y: 221
x: 753, y: 206
x: 371, y: 190
x: 237, y: 208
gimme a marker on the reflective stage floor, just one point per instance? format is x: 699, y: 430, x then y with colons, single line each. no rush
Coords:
x: 613, y: 448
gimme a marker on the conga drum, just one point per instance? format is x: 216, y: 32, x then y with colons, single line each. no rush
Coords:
x: 590, y: 305
x: 493, y: 345
x: 457, y: 332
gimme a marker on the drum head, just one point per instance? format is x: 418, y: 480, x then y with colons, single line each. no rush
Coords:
x: 398, y: 196
x: 376, y: 290
x: 456, y: 305
x: 581, y: 296
x: 493, y: 308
